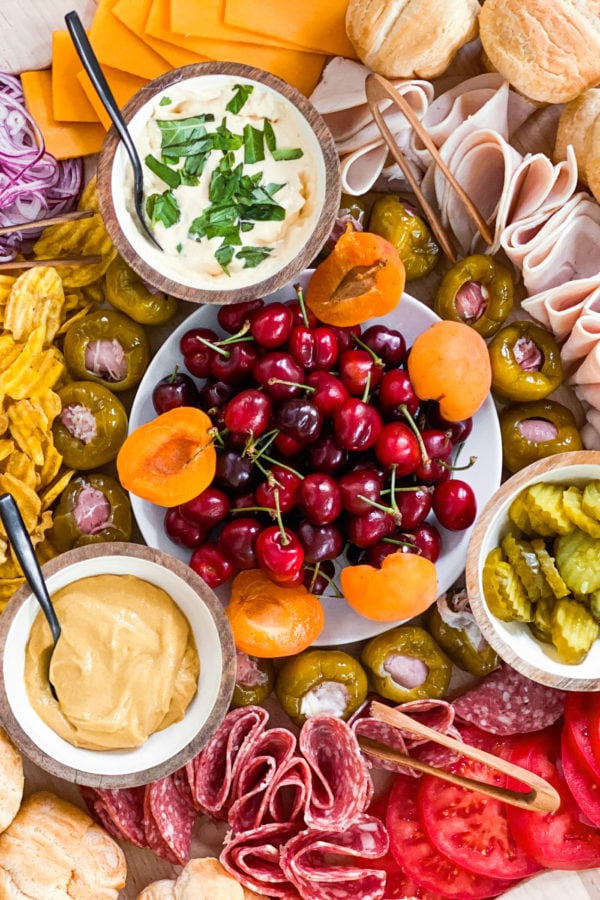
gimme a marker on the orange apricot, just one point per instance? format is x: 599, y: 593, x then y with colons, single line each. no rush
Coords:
x: 362, y: 277
x: 404, y: 586
x: 170, y: 459
x: 269, y: 621
x: 449, y: 362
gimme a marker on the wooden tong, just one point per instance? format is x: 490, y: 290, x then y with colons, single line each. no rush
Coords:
x: 377, y: 89
x: 71, y: 216
x: 541, y: 797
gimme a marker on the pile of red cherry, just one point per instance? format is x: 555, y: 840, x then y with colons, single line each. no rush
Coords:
x: 322, y: 445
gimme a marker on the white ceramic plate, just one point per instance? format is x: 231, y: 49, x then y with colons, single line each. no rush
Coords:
x: 342, y: 624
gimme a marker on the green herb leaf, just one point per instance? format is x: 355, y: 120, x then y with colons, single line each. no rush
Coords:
x: 253, y: 256
x: 225, y: 140
x: 224, y: 255
x: 241, y: 92
x: 286, y: 154
x: 165, y: 101
x: 169, y: 176
x: 175, y: 132
x: 179, y: 248
x: 270, y: 139
x: 265, y: 212
x: 163, y: 208
x: 254, y: 150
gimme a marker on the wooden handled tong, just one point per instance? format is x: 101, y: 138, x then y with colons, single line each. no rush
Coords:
x: 541, y: 796
x: 74, y: 215
x: 379, y: 88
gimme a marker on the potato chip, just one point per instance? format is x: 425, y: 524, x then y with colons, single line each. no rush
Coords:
x: 44, y: 524
x: 80, y: 314
x: 48, y: 367
x: 6, y: 448
x: 49, y: 403
x: 56, y: 488
x: 23, y: 370
x: 21, y: 466
x: 6, y: 283
x: 30, y: 505
x: 8, y: 586
x: 28, y: 426
x: 9, y: 352
x: 10, y: 568
x: 51, y: 466
x: 37, y: 298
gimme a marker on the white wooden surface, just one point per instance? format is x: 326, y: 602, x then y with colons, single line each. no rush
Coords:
x: 25, y: 43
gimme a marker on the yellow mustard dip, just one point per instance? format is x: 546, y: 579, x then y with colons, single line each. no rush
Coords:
x: 125, y: 665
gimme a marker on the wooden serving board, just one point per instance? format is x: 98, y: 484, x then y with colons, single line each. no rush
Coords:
x: 26, y: 28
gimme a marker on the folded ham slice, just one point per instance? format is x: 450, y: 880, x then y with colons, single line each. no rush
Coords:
x: 559, y: 308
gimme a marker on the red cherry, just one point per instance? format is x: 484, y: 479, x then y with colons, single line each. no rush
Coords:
x: 236, y: 365
x: 356, y: 425
x: 272, y: 368
x: 318, y: 582
x: 283, y: 482
x: 319, y: 498
x: 175, y: 390
x: 320, y: 542
x: 182, y: 531
x: 215, y: 394
x: 345, y: 336
x: 248, y: 413
x: 299, y: 314
x: 398, y: 446
x: 357, y: 488
x: 459, y: 431
x: 299, y: 419
x: 197, y: 355
x: 237, y: 541
x: 389, y: 345
x: 232, y: 318
x: 211, y: 564
x: 454, y: 504
x: 313, y: 348
x: 357, y: 368
x: 368, y: 529
x: 378, y: 552
x: 279, y: 553
x: 438, y: 448
x: 413, y: 506
x: 271, y: 326
x: 325, y: 456
x: 396, y: 390
x: 208, y: 509
x: 329, y: 393
x: 287, y: 446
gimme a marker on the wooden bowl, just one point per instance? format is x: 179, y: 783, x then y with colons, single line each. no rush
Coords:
x: 156, y: 267
x: 514, y: 641
x: 163, y: 752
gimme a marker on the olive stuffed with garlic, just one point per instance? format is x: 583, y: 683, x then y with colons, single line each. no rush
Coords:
x: 406, y: 664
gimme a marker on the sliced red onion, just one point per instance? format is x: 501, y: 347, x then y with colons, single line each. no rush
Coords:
x: 33, y: 184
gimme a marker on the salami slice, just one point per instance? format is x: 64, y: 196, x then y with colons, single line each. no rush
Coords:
x: 120, y: 812
x: 274, y: 758
x: 253, y: 857
x: 306, y: 860
x: 507, y: 702
x: 220, y: 762
x: 341, y: 785
x: 168, y: 820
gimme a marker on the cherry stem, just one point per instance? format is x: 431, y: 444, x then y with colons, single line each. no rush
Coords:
x: 315, y: 571
x: 367, y: 391
x: 284, y: 538
x: 216, y: 436
x: 391, y: 510
x: 424, y: 455
x: 329, y: 580
x: 376, y: 359
x: 301, y: 303
x: 305, y: 387
x: 213, y: 346
x: 282, y: 465
x: 173, y: 375
x: 251, y: 448
x: 238, y: 335
x: 388, y: 540
x: 453, y: 468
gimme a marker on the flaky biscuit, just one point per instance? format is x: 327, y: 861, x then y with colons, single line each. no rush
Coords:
x: 11, y: 780
x: 574, y: 124
x: 550, y: 52
x: 410, y: 38
x: 203, y: 878
x: 158, y: 890
x: 53, y: 850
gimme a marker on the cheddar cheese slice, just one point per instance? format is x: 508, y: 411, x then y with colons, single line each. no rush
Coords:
x: 207, y: 20
x: 69, y: 101
x: 122, y: 84
x: 311, y: 24
x: 133, y: 14
x: 63, y: 139
x: 117, y: 46
x: 300, y: 69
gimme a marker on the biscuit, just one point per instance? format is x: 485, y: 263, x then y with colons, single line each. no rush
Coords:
x: 549, y: 52
x: 410, y: 38
x: 578, y: 126
x: 11, y: 780
x: 201, y: 879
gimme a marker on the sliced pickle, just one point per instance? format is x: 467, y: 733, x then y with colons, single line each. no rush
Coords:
x: 577, y: 558
x: 522, y: 557
x: 503, y: 590
x: 594, y: 602
x: 573, y: 504
x: 544, y: 503
x: 591, y: 499
x: 517, y: 513
x: 542, y: 619
x: 548, y: 567
x: 574, y: 630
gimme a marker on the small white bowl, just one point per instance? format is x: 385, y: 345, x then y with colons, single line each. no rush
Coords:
x: 514, y: 641
x: 163, y: 752
x: 321, y: 188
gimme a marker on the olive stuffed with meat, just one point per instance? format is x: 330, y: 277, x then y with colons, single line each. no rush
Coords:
x: 253, y: 681
x: 534, y: 430
x: 393, y: 220
x: 321, y: 681
x: 526, y: 363
x: 478, y: 291
x: 92, y: 508
x: 128, y: 293
x: 406, y: 664
x: 452, y: 625
x: 108, y: 348
x: 91, y: 426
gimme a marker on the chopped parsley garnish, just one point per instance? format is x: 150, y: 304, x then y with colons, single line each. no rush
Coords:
x: 254, y: 147
x: 179, y: 247
x: 169, y: 176
x: 241, y: 92
x: 165, y: 101
x: 163, y: 208
x: 252, y: 256
x: 279, y: 153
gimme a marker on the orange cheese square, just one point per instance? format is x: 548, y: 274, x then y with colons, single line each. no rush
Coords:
x: 312, y: 24
x: 117, y: 46
x: 300, y: 69
x: 62, y: 139
x: 133, y: 14
x: 69, y: 102
x: 206, y: 19
x: 122, y: 84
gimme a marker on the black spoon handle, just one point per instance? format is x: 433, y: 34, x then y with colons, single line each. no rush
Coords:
x: 96, y: 75
x: 21, y: 544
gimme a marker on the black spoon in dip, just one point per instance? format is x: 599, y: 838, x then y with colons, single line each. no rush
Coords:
x: 96, y: 76
x: 25, y: 553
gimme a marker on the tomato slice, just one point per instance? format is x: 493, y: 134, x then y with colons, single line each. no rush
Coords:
x: 470, y: 828
x: 557, y: 840
x: 581, y: 780
x: 579, y: 712
x: 591, y: 706
x: 419, y: 858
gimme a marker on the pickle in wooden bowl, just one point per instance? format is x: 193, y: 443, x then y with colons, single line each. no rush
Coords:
x: 533, y: 571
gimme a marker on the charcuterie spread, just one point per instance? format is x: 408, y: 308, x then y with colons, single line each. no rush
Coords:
x: 324, y: 460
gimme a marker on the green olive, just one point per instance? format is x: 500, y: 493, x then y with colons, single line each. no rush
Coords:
x: 66, y: 526
x: 91, y: 427
x: 128, y: 293
x: 408, y: 232
x: 108, y: 348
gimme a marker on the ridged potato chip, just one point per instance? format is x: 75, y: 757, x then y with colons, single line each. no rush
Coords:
x: 30, y: 505
x: 53, y: 491
x: 28, y: 425
x: 22, y: 370
x: 6, y: 448
x: 51, y: 466
x: 21, y: 466
x: 37, y: 298
x: 47, y: 368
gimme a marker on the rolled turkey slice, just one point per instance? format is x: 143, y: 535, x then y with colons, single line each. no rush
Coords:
x: 559, y: 308
x: 584, y: 337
